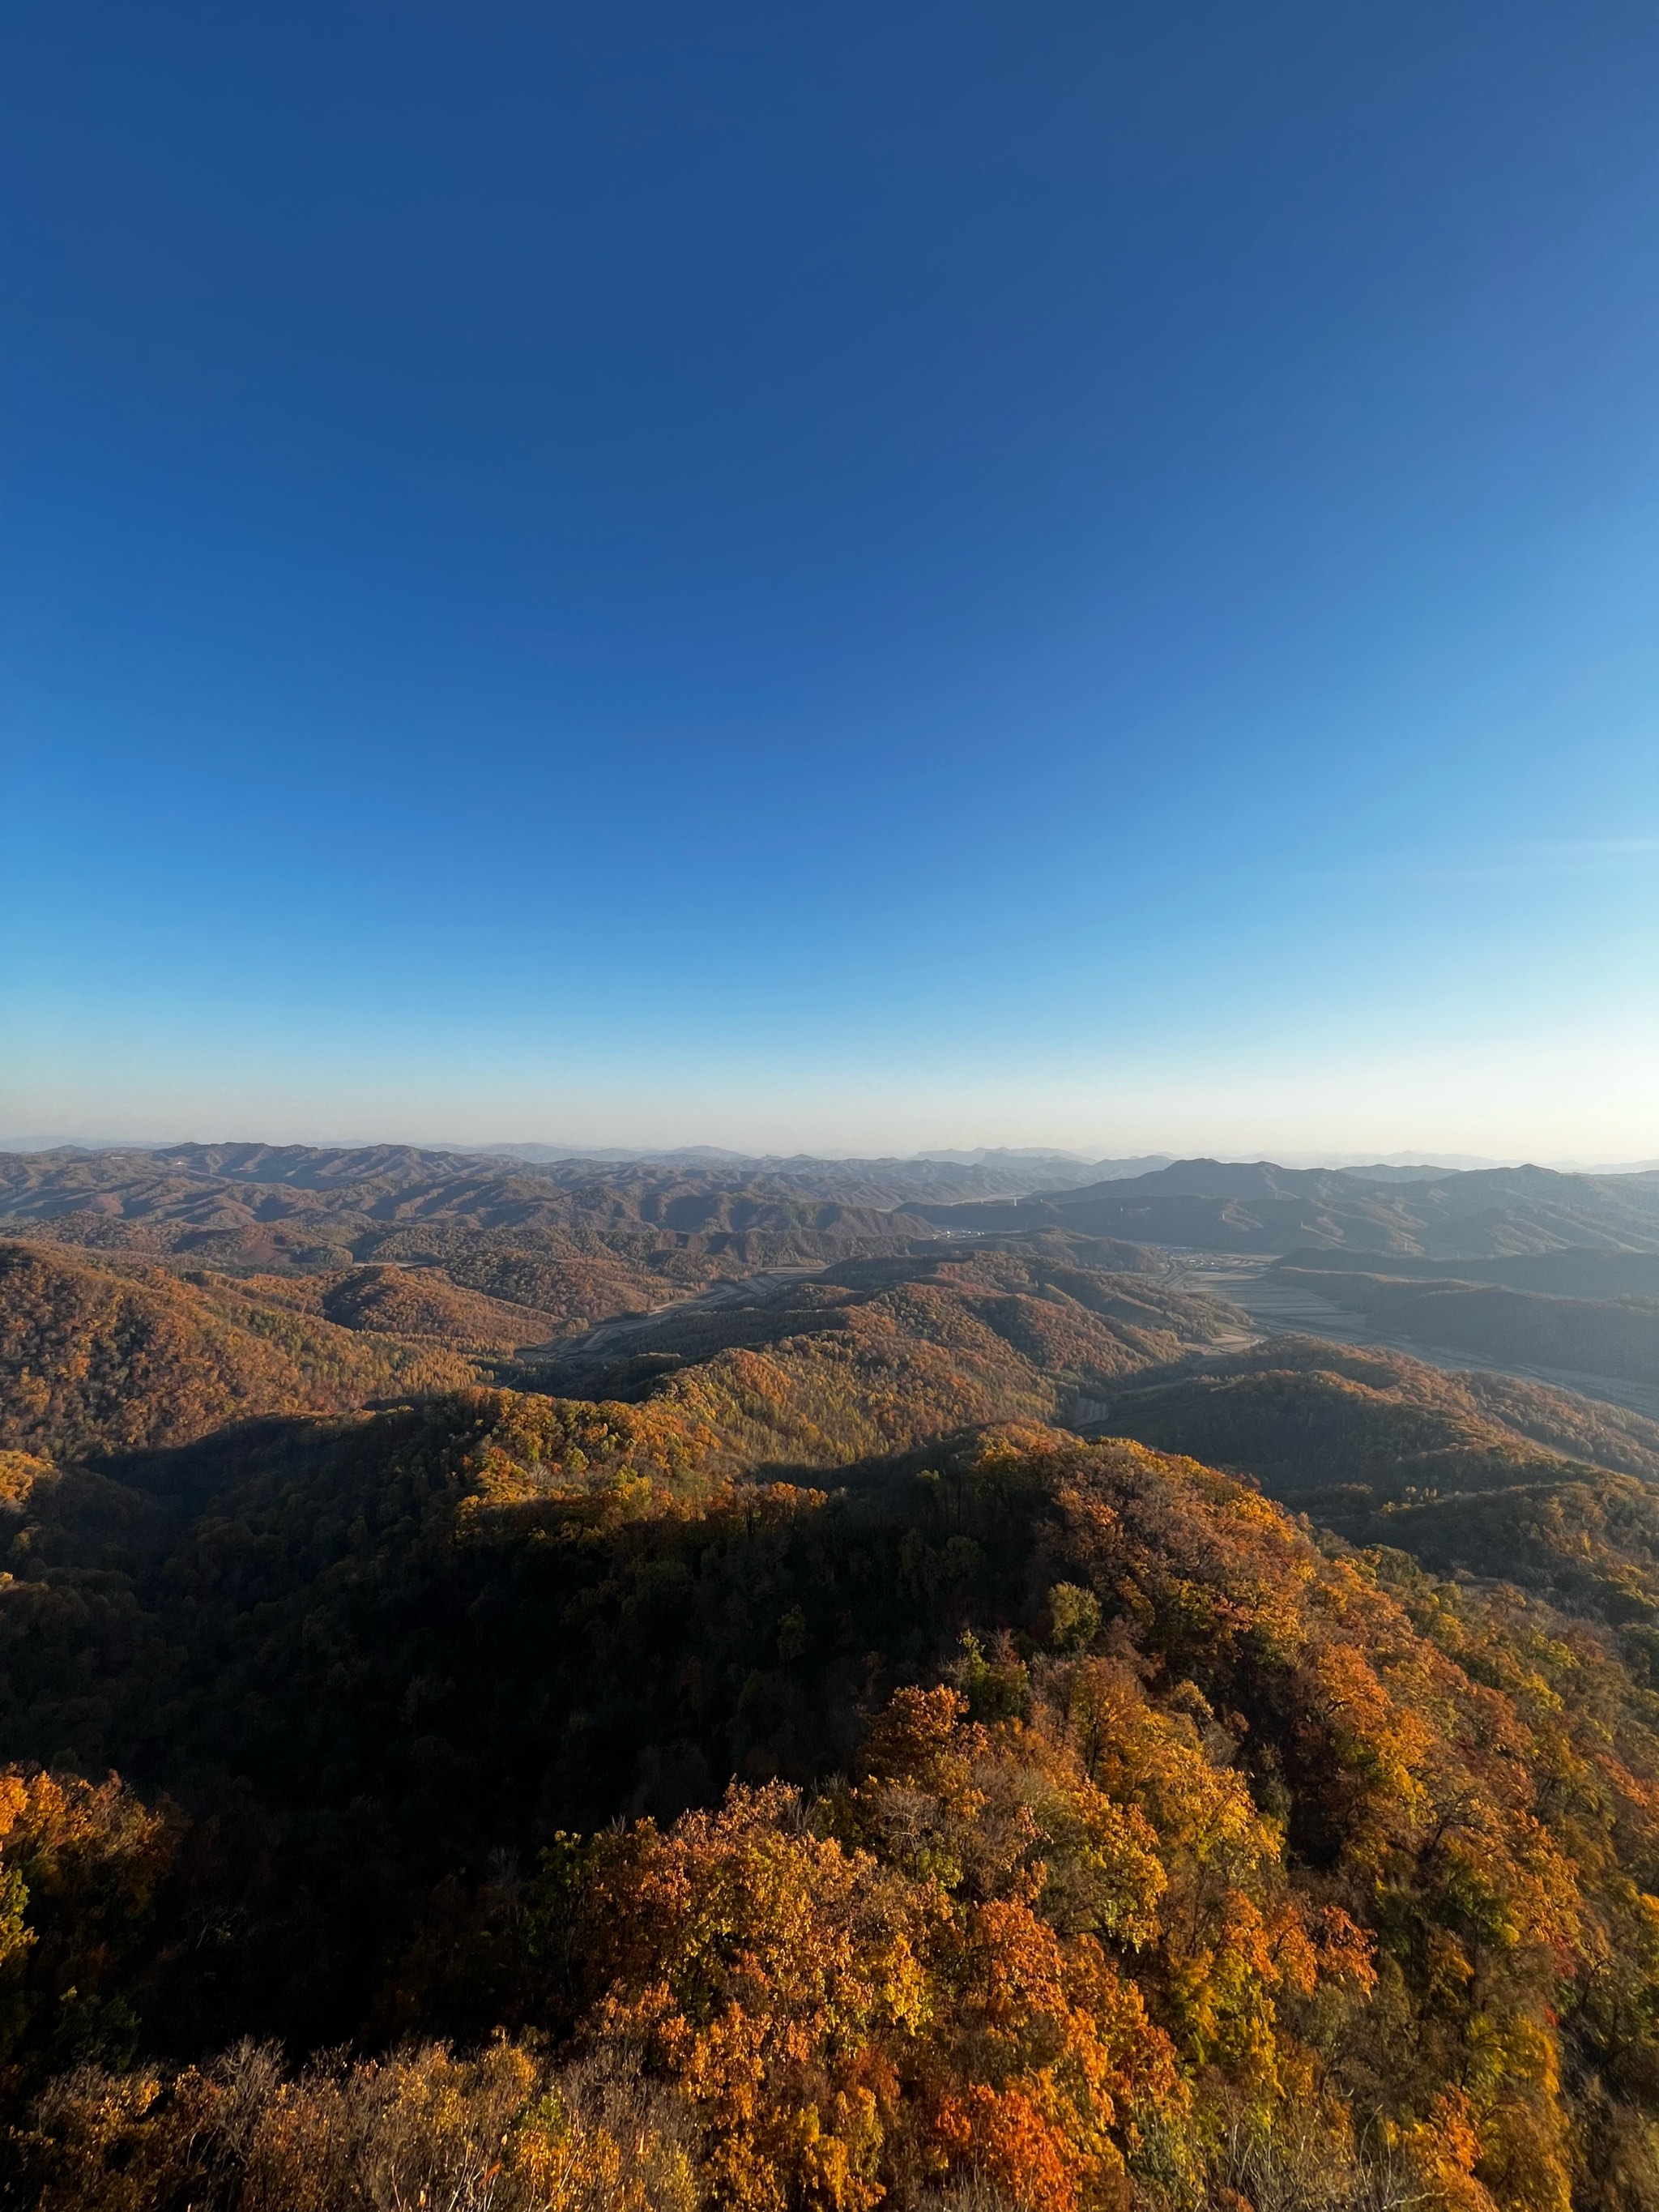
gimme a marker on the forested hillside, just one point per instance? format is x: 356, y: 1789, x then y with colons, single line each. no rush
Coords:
x: 1614, y: 1337
x: 96, y: 1358
x: 1166, y: 1854
x: 1217, y: 1206
x: 1476, y: 1474
x: 297, y: 1208
x: 878, y: 1354
x: 761, y: 1761
x: 101, y: 1356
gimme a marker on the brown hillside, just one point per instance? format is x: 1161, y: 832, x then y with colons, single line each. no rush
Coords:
x: 878, y: 1354
x: 409, y: 1301
x: 93, y: 1359
x: 1470, y: 1472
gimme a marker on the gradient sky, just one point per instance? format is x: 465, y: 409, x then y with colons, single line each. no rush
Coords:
x: 847, y: 578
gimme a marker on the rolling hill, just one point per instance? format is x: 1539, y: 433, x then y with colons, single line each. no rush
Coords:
x: 95, y: 1360
x: 1611, y: 1337
x: 260, y: 1208
x: 760, y: 1760
x: 1070, y: 1795
x: 877, y: 1354
x: 1474, y: 1473
x: 102, y: 1355
x: 1226, y: 1207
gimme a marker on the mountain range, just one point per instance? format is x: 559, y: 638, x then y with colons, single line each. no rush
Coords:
x: 1232, y: 1207
x: 302, y: 1206
x: 654, y: 1686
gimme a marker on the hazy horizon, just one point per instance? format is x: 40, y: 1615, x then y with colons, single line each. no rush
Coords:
x: 559, y: 1149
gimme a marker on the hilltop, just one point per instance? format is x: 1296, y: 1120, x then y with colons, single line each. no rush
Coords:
x: 1226, y: 1206
x: 96, y: 1358
x: 101, y: 1355
x: 1474, y: 1474
x: 1072, y: 1794
x: 300, y: 1208
x: 502, y: 1691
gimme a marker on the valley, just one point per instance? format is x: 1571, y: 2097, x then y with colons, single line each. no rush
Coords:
x: 642, y: 1672
x: 1294, y: 1301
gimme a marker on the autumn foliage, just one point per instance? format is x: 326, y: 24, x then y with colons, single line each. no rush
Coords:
x: 1025, y: 1824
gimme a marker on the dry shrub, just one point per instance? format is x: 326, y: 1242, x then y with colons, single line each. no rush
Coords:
x: 500, y: 2132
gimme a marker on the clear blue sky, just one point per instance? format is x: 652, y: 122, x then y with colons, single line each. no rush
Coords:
x: 841, y: 576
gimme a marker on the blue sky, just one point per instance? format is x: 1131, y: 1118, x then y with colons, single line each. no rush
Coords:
x: 849, y: 578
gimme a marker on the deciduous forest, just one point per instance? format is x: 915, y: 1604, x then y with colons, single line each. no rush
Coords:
x: 926, y: 1724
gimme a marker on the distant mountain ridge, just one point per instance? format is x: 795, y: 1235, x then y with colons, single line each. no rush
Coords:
x: 760, y: 1742
x: 1029, y: 1167
x: 987, y: 1171
x: 266, y: 1206
x: 302, y: 1206
x: 1256, y: 1207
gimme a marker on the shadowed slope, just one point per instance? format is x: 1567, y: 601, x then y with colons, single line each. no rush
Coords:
x: 1205, y: 1841
x: 1473, y: 1472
